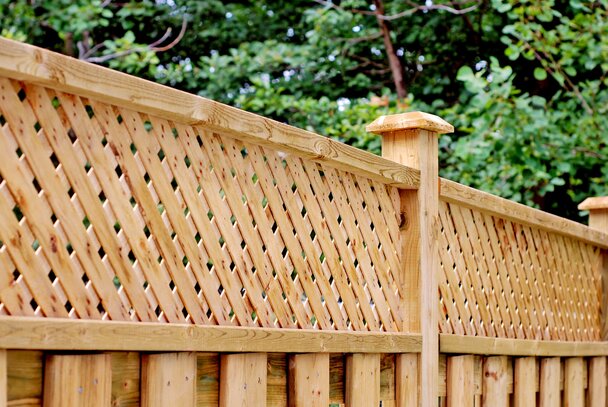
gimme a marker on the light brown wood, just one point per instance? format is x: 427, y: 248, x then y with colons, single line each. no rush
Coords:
x: 61, y: 334
x: 309, y: 380
x: 25, y: 62
x: 168, y: 379
x: 407, y: 367
x: 126, y: 375
x: 524, y: 382
x: 3, y: 378
x: 460, y: 381
x: 362, y: 380
x: 597, y: 388
x: 550, y: 377
x: 463, y: 195
x: 418, y: 148
x: 495, y: 382
x: 574, y: 391
x: 243, y: 380
x: 77, y: 380
x: 519, y: 347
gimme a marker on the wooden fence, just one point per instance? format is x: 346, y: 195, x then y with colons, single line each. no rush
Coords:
x: 160, y: 249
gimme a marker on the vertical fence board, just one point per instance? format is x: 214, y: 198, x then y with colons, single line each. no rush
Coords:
x: 550, y: 372
x: 77, y: 381
x: 524, y: 382
x: 243, y: 380
x: 168, y: 379
x: 495, y: 382
x: 406, y: 379
x: 461, y: 381
x: 309, y: 380
x: 208, y: 379
x: 362, y: 380
x: 574, y: 390
x: 597, y: 382
x: 3, y: 378
x: 125, y: 379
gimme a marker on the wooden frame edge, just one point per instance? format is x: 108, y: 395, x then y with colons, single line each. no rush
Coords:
x: 453, y: 192
x: 68, y: 334
x: 477, y: 345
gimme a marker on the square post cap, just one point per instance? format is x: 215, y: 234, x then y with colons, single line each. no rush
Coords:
x: 410, y: 120
x: 595, y: 203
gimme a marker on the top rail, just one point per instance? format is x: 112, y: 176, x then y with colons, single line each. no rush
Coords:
x: 470, y: 197
x: 25, y: 62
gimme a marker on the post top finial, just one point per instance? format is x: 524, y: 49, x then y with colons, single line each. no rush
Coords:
x: 600, y: 202
x: 410, y: 120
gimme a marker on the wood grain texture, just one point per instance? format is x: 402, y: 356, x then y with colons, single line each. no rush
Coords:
x: 460, y: 194
x: 309, y: 380
x: 524, y: 382
x: 25, y: 372
x: 362, y: 380
x: 77, y: 380
x: 25, y: 62
x: 406, y: 379
x: 574, y: 391
x: 126, y: 375
x: 495, y: 382
x: 550, y: 377
x: 596, y: 396
x: 243, y: 380
x: 60, y: 334
x: 3, y: 378
x: 598, y: 220
x: 460, y: 381
x: 519, y: 347
x: 168, y: 378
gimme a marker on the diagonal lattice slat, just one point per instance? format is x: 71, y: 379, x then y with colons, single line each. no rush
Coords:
x: 107, y: 213
x: 503, y: 279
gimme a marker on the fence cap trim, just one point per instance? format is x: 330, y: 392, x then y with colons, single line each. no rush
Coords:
x: 600, y: 202
x: 410, y: 120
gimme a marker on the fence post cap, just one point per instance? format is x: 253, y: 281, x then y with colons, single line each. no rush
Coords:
x: 594, y: 203
x: 410, y: 120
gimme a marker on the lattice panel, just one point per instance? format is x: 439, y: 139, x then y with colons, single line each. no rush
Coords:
x: 106, y: 213
x: 502, y: 279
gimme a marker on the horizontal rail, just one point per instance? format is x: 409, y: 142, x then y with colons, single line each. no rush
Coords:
x: 25, y: 62
x: 451, y: 191
x: 478, y: 345
x: 64, y: 334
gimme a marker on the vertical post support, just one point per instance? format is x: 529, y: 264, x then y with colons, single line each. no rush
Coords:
x: 243, y: 379
x: 168, y: 379
x: 309, y: 380
x: 3, y: 378
x: 411, y: 139
x: 598, y: 219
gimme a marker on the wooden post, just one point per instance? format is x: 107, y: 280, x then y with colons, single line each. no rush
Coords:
x: 77, y: 381
x: 362, y: 380
x: 495, y: 381
x: 461, y: 381
x: 574, y: 391
x: 597, y: 382
x: 411, y: 139
x: 309, y: 380
x: 168, y: 379
x: 524, y: 382
x: 598, y: 219
x: 550, y: 377
x: 243, y: 379
x: 3, y: 378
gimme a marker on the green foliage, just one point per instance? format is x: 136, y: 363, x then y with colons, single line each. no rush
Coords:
x: 524, y: 82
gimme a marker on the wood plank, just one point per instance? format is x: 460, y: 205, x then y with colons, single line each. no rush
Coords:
x: 362, y: 380
x: 64, y: 334
x: 495, y: 382
x: 243, y: 380
x: 125, y: 379
x: 309, y: 380
x: 3, y: 378
x: 25, y: 62
x: 24, y: 371
x: 574, y: 390
x: 406, y: 379
x: 550, y: 373
x: 168, y: 379
x: 460, y: 381
x: 524, y: 382
x: 519, y: 347
x: 77, y: 380
x: 597, y: 382
x: 208, y: 379
x: 454, y: 192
